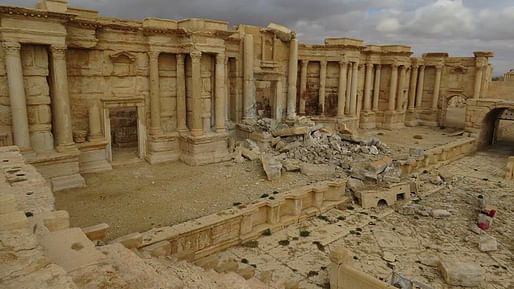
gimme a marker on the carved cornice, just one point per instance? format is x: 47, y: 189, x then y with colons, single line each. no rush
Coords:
x: 35, y: 13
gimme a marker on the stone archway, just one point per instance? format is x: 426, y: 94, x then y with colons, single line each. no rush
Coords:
x: 454, y: 111
x: 482, y: 118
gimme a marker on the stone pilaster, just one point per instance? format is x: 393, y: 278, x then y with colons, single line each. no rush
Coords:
x: 196, y: 97
x: 249, y: 80
x: 227, y: 92
x: 95, y: 127
x: 367, y: 87
x: 18, y: 103
x: 61, y: 110
x: 437, y: 86
x: 478, y: 80
x: 348, y: 88
x: 376, y: 87
x: 220, y: 93
x: 420, y: 88
x: 155, y: 105
x: 341, y: 101
x: 355, y: 84
x: 322, y: 81
x: 393, y: 87
x: 303, y: 85
x: 292, y: 77
x: 181, y: 94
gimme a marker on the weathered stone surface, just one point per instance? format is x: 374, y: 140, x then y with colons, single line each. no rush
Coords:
x: 271, y: 166
x: 291, y: 165
x: 440, y: 214
x: 316, y: 170
x: 133, y: 240
x: 487, y: 244
x: 458, y: 273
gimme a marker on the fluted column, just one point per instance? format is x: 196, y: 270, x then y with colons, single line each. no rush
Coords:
x: 355, y: 84
x: 478, y: 81
x: 292, y: 77
x: 348, y: 88
x: 376, y: 87
x: 341, y: 101
x: 400, y: 92
x: 61, y: 110
x: 181, y: 94
x: 412, y: 86
x: 249, y: 80
x: 155, y: 102
x: 303, y: 85
x: 322, y: 81
x: 220, y: 93
x: 421, y: 84
x: 367, y: 87
x: 393, y: 87
x: 437, y: 86
x: 196, y: 113
x: 95, y: 127
x: 18, y: 104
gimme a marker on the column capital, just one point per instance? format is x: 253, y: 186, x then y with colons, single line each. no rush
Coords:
x: 180, y: 58
x: 439, y: 66
x: 304, y: 62
x: 220, y: 58
x: 195, y: 55
x: 378, y: 66
x: 58, y: 51
x: 343, y: 62
x: 323, y: 62
x: 11, y: 47
x: 369, y: 65
x: 422, y: 67
x: 154, y: 55
x: 415, y: 66
x: 395, y: 65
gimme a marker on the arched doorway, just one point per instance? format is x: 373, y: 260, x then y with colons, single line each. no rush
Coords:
x: 455, y: 111
x: 496, y: 126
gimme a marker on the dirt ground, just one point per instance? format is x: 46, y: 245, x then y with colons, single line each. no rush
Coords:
x: 416, y: 242
x: 140, y: 196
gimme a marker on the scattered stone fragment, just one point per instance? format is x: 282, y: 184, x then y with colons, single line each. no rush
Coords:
x: 291, y: 165
x: 271, y: 166
x: 462, y: 273
x: 389, y: 257
x: 316, y: 170
x: 440, y: 214
x: 487, y: 244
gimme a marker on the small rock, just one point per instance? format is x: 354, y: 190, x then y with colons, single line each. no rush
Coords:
x: 487, y: 244
x: 440, y: 214
x: 291, y: 165
x: 389, y: 257
x: 436, y: 180
x: 462, y: 273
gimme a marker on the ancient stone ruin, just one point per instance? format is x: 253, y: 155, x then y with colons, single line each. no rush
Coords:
x: 337, y: 165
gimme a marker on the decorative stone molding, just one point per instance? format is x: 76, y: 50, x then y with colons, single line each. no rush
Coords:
x: 11, y: 47
x: 58, y: 52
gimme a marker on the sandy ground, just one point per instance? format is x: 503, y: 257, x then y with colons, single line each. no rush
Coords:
x: 416, y: 242
x: 140, y: 196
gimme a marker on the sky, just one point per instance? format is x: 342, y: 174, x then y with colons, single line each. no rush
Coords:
x: 458, y: 27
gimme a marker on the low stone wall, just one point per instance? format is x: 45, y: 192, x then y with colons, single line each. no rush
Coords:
x: 509, y: 175
x: 201, y: 237
x: 439, y: 156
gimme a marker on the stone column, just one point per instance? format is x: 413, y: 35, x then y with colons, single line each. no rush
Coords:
x: 196, y: 81
x: 293, y: 75
x: 376, y: 87
x: 393, y: 87
x: 412, y: 86
x: 18, y: 104
x: 421, y: 83
x: 95, y: 127
x: 322, y: 81
x: 367, y: 87
x: 220, y: 93
x: 227, y: 92
x: 348, y: 87
x: 478, y: 81
x: 341, y: 101
x: 61, y: 111
x: 355, y: 84
x: 249, y: 81
x: 400, y: 92
x: 303, y: 85
x: 437, y: 86
x: 155, y: 102
x: 181, y: 94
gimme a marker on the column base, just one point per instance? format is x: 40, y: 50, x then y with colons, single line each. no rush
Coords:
x: 63, y: 148
x: 411, y: 118
x: 393, y: 120
x: 93, y: 157
x: 163, y: 148
x: 205, y: 149
x: 368, y: 120
x: 197, y: 132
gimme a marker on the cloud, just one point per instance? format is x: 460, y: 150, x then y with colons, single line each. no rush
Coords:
x: 457, y: 26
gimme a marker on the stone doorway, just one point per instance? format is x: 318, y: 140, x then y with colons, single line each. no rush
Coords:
x: 454, y: 114
x: 124, y: 123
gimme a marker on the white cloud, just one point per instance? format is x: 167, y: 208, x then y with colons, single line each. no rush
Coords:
x: 388, y: 25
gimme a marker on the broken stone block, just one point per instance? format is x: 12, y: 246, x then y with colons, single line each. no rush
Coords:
x: 283, y: 33
x: 487, y: 244
x: 13, y: 221
x: 162, y: 248
x: 56, y: 220
x: 462, y: 273
x: 130, y: 241
x: 436, y: 180
x: 96, y: 232
x: 354, y: 184
x: 379, y: 166
x: 249, y: 154
x: 297, y: 130
x: 316, y: 170
x: 272, y: 167
x: 389, y: 256
x: 440, y: 214
x: 246, y: 271
x: 291, y: 165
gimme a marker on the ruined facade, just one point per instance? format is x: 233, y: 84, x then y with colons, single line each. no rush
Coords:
x: 188, y: 85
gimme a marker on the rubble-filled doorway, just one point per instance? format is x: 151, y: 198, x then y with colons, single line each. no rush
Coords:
x: 454, y: 114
